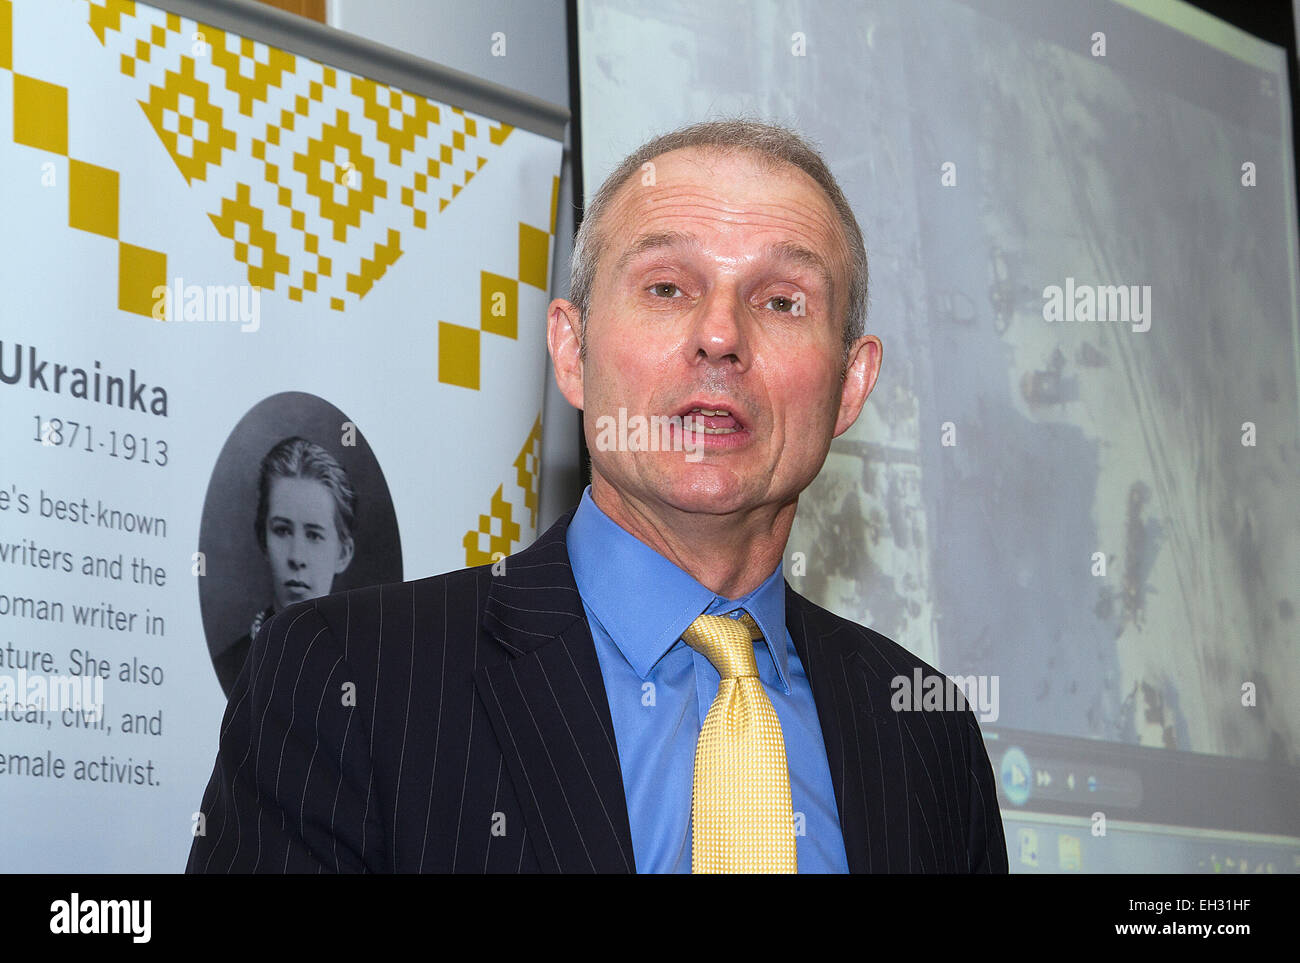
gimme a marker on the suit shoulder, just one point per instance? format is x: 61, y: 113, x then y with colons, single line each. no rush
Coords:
x: 337, y: 607
x: 377, y: 616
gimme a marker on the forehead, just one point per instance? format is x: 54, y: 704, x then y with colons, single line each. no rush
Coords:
x: 728, y: 201
x: 299, y: 494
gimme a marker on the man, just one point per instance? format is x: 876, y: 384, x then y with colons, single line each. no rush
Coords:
x: 639, y: 690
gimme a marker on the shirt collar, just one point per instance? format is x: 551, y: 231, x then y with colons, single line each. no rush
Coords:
x: 644, y: 602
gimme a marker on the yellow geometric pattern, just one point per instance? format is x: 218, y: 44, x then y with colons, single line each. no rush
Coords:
x: 108, y: 16
x: 327, y: 163
x: 139, y: 272
x: 251, y: 69
x: 495, y: 536
x: 528, y: 469
x: 348, y: 165
x: 6, y: 36
x: 40, y: 121
x: 187, y: 122
x: 241, y: 222
x: 498, y: 303
x: 92, y: 198
x: 534, y: 246
x: 40, y: 114
x: 458, y: 355
x: 498, y: 532
x: 400, y: 118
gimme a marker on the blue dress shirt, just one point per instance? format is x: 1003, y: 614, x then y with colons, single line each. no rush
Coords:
x: 638, y: 605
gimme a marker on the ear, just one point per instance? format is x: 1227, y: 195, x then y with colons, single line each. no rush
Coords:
x: 563, y: 340
x: 859, y: 379
x: 347, y: 547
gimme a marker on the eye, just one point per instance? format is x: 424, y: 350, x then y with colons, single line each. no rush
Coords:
x: 781, y: 303
x: 315, y: 536
x: 280, y: 529
x: 665, y: 289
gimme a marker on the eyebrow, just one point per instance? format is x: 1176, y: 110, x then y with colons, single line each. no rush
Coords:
x: 650, y: 242
x: 790, y: 251
x: 798, y: 254
x: 285, y: 518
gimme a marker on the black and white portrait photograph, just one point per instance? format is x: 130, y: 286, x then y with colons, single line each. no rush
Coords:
x: 297, y: 508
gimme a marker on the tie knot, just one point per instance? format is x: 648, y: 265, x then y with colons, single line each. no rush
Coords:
x: 726, y: 642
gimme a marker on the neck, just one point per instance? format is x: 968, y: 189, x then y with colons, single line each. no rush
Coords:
x: 730, y: 555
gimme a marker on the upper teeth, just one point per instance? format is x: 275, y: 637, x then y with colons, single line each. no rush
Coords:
x: 711, y: 412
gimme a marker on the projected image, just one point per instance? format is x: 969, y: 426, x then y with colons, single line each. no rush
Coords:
x: 1077, y: 472
x: 309, y: 516
x: 1124, y: 396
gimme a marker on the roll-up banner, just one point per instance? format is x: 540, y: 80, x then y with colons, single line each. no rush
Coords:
x: 271, y: 327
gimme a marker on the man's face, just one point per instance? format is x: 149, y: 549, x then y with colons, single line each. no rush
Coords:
x: 302, y: 542
x: 721, y: 286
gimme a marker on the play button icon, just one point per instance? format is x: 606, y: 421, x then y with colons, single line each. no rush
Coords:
x: 1015, y: 776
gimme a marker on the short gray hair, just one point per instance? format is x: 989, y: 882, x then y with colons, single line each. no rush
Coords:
x: 773, y: 144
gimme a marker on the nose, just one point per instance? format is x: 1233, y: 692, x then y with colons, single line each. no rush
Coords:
x: 296, y: 554
x: 719, y: 334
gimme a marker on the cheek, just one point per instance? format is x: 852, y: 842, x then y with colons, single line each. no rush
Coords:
x: 612, y: 383
x: 805, y: 393
x: 625, y: 350
x: 276, y: 558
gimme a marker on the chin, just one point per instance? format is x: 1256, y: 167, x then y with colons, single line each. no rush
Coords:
x: 706, y: 489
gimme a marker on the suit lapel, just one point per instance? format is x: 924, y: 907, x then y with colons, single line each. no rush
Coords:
x: 549, y: 709
x: 861, y: 737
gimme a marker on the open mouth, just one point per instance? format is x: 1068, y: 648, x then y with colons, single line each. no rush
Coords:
x: 710, y: 419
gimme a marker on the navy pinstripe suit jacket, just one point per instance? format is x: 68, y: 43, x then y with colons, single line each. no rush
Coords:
x: 460, y: 724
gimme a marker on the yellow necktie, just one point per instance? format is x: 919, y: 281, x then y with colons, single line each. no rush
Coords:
x: 740, y: 805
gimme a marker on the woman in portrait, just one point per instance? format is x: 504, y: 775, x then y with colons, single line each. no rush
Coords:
x: 306, y: 508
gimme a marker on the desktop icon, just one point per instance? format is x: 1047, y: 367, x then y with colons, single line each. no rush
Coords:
x: 1069, y: 853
